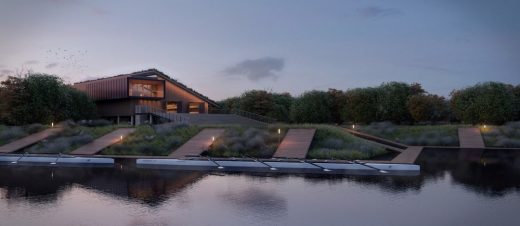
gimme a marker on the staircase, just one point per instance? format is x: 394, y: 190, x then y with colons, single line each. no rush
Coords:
x: 172, y: 117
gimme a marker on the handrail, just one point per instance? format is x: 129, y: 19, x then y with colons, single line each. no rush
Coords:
x: 176, y: 118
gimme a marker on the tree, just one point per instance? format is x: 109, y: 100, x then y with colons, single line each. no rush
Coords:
x: 361, y: 105
x: 337, y: 104
x: 311, y: 107
x: 42, y: 98
x: 256, y: 101
x: 490, y: 102
x: 282, y: 107
x: 392, y: 98
x: 428, y: 108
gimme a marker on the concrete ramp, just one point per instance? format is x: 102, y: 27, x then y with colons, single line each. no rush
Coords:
x: 197, y: 144
x: 28, y: 140
x: 101, y: 143
x: 470, y: 138
x: 295, y: 144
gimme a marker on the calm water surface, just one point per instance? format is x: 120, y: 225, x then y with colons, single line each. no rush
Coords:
x: 454, y: 188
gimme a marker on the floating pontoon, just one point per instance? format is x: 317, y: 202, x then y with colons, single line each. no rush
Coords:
x: 58, y: 160
x: 271, y: 165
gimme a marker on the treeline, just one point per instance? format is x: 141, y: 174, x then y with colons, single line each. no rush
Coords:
x: 490, y: 102
x: 41, y: 98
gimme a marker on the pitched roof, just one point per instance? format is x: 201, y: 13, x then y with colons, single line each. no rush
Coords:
x: 154, y: 71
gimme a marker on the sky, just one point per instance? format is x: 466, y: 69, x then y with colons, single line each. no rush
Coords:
x: 223, y: 48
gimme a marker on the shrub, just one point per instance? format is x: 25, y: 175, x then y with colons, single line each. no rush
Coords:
x: 95, y: 122
x: 11, y: 133
x: 237, y: 142
x: 507, y: 135
x: 34, y: 128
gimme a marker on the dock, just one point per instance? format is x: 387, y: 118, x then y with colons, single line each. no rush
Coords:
x: 471, y: 138
x: 28, y: 140
x: 409, y: 155
x: 101, y: 143
x: 295, y: 144
x: 197, y: 144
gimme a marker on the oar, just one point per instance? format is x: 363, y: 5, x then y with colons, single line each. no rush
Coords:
x: 369, y: 166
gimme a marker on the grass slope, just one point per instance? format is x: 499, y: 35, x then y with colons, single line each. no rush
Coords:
x: 157, y: 140
x: 11, y: 133
x: 507, y: 135
x: 419, y: 135
x: 71, y: 137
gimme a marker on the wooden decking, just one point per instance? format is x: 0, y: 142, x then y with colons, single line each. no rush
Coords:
x: 27, y: 141
x: 409, y: 155
x: 295, y: 144
x: 99, y: 144
x: 197, y: 144
x: 470, y: 138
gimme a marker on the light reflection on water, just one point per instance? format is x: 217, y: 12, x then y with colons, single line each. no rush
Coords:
x: 454, y: 188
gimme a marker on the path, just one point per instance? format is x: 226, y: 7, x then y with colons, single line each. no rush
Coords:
x: 295, y: 144
x: 470, y: 138
x: 28, y: 140
x: 197, y: 144
x: 99, y: 144
x: 388, y: 144
x: 409, y: 155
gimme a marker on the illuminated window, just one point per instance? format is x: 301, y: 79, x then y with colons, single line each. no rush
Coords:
x: 194, y: 108
x: 172, y: 106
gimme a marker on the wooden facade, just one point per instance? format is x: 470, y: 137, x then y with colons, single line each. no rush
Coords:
x: 117, y: 96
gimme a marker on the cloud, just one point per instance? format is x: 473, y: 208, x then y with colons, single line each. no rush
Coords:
x: 377, y: 12
x: 51, y: 65
x: 257, y: 69
x: 32, y: 62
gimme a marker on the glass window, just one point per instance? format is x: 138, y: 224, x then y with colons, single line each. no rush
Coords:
x: 194, y: 108
x: 172, y: 107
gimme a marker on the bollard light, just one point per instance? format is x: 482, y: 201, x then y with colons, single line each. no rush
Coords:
x: 484, y: 126
x: 121, y: 138
x: 52, y: 124
x: 213, y: 139
x: 353, y: 126
x: 279, y: 131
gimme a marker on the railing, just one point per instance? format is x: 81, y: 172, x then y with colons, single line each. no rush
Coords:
x: 175, y: 118
x: 246, y: 114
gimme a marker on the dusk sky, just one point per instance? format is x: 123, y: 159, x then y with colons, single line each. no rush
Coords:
x: 222, y: 48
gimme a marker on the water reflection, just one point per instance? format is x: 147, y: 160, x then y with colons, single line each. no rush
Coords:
x: 44, y: 184
x: 486, y: 172
x: 257, y: 200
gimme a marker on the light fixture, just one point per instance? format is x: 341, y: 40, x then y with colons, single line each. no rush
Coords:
x: 353, y: 126
x: 484, y: 126
x: 279, y: 131
x: 213, y: 138
x: 52, y: 124
x: 121, y: 138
